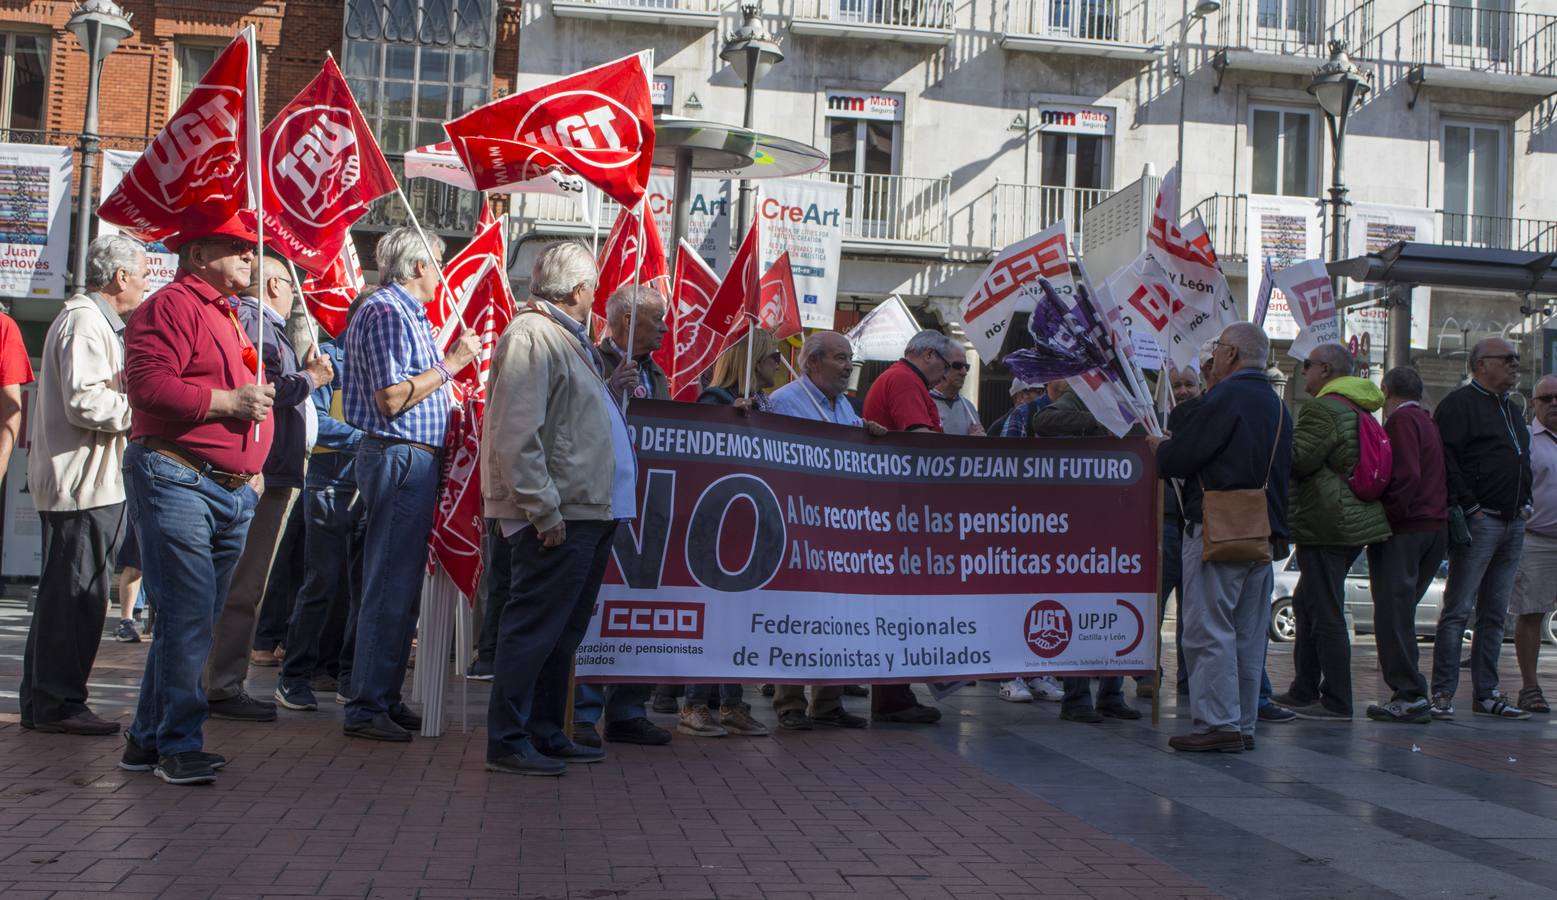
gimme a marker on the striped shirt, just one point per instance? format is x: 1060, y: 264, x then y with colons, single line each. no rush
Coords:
x: 389, y: 341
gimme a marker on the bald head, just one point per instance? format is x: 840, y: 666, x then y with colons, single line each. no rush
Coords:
x: 1545, y: 410
x: 272, y: 285
x: 827, y: 359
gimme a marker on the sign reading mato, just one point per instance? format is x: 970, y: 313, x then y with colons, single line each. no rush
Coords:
x: 771, y: 548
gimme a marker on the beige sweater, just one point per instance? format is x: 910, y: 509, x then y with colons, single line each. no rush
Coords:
x: 546, y: 453
x: 82, y: 416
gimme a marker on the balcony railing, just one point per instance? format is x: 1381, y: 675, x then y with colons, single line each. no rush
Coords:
x: 1018, y: 211
x: 1497, y: 232
x: 1101, y: 21
x: 1226, y: 216
x: 1300, y: 28
x: 135, y: 142
x: 911, y: 15
x: 663, y: 12
x: 895, y: 209
x: 1482, y: 40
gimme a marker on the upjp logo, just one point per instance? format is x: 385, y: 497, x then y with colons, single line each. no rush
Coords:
x: 580, y: 121
x: 1048, y: 629
x: 196, y: 148
x: 649, y: 619
x: 317, y: 164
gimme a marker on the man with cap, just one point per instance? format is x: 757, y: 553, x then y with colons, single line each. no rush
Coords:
x: 1022, y: 394
x: 199, y: 435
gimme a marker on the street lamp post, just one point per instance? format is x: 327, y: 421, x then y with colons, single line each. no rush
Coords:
x: 752, y: 53
x: 1203, y: 8
x: 1340, y: 86
x: 99, y: 25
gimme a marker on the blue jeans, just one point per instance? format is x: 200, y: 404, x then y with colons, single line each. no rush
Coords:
x: 618, y: 702
x: 191, y: 532
x: 729, y: 694
x: 332, y: 572
x: 399, y: 485
x: 1481, y: 575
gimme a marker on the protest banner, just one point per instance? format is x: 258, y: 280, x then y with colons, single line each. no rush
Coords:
x: 708, y: 217
x: 804, y: 217
x: 884, y: 332
x: 34, y: 220
x: 776, y: 549
x: 164, y: 263
x: 1285, y: 230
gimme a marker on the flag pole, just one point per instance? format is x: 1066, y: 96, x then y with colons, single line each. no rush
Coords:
x: 437, y: 263
x: 746, y: 384
x: 632, y: 315
x: 313, y: 327
x: 256, y: 197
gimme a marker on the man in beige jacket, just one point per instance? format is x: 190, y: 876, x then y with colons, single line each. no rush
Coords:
x: 74, y: 473
x: 557, y: 473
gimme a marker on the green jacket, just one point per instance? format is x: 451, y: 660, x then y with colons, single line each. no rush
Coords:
x: 1324, y: 452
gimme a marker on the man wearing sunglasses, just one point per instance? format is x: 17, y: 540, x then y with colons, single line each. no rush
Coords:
x: 957, y: 415
x: 1487, y: 457
x: 192, y: 472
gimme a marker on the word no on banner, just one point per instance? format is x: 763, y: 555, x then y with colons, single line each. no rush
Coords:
x: 770, y: 548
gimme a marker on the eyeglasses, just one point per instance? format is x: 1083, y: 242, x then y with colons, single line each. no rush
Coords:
x: 1545, y: 398
x: 960, y: 367
x: 1312, y: 362
x: 1510, y: 358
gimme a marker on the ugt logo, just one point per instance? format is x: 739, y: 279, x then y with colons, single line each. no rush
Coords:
x: 317, y: 163
x: 198, y: 149
x: 581, y: 121
x: 1048, y: 629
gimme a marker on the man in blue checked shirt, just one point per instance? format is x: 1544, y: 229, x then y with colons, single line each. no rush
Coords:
x: 397, y: 394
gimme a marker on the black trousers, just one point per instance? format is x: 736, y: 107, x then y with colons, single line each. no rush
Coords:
x: 281, y: 589
x: 543, y: 622
x: 1322, y: 651
x: 67, y: 624
x: 1401, y: 570
x: 496, y: 583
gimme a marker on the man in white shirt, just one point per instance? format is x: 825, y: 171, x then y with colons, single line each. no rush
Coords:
x: 1535, y: 581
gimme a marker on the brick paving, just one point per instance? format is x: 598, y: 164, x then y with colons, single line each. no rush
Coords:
x: 303, y: 811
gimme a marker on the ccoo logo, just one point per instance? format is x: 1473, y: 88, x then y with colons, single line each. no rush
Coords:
x: 316, y: 162
x: 1048, y: 629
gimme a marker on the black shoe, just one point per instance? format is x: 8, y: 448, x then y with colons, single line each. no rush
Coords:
x: 243, y: 708
x: 84, y: 722
x: 324, y: 684
x: 918, y: 714
x: 636, y: 731
x: 140, y: 759
x: 1275, y: 712
x: 1248, y: 742
x: 127, y: 633
x: 795, y: 720
x: 190, y: 767
x: 856, y: 690
x: 586, y: 736
x: 530, y: 762
x: 405, y: 718
x: 28, y: 725
x: 1118, y: 711
x: 378, y: 728
x: 1081, y: 714
x: 575, y: 753
x: 840, y: 719
x: 480, y: 670
x: 664, y: 703
x: 769, y: 690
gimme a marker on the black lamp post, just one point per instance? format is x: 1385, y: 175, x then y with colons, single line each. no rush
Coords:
x: 99, y: 25
x: 752, y: 53
x: 1340, y: 86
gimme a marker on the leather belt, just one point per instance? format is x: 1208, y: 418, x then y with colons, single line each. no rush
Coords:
x: 435, y: 451
x: 229, y: 480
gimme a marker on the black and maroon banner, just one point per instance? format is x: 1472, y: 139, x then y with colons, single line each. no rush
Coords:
x: 772, y: 548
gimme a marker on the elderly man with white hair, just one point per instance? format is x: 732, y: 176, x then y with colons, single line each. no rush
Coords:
x: 75, y: 475
x: 558, y: 474
x: 397, y: 394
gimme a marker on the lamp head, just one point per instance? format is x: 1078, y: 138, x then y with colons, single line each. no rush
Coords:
x: 751, y: 51
x: 1207, y: 8
x: 1340, y: 84
x: 102, y: 19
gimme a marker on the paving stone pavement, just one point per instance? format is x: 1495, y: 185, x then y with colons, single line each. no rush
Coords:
x: 998, y: 801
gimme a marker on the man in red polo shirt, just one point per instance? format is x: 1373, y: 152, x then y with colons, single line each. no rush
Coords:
x: 192, y: 468
x: 900, y: 401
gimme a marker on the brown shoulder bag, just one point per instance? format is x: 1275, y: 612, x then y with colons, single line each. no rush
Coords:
x: 1235, y: 525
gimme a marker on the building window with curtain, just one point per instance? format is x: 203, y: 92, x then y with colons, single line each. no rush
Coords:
x: 23, y: 79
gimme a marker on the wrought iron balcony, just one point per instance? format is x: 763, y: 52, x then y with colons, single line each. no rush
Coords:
x: 903, y: 21
x: 1478, y: 48
x: 683, y: 13
x: 1497, y: 232
x: 439, y: 207
x: 1291, y: 36
x: 1226, y: 216
x: 1119, y: 29
x: 1018, y: 211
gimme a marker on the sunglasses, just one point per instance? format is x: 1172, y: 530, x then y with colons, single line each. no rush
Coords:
x: 1312, y: 362
x: 1545, y: 398
x: 960, y: 367
x: 1510, y: 358
x: 236, y: 245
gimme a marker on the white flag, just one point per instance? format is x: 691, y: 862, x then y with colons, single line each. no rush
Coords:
x: 884, y: 331
x: 1010, y: 285
x: 1308, y: 290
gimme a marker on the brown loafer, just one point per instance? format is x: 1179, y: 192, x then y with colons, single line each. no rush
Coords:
x: 1219, y: 741
x: 265, y: 658
x: 85, y: 722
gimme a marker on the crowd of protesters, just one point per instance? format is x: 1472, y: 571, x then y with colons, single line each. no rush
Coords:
x: 197, y: 440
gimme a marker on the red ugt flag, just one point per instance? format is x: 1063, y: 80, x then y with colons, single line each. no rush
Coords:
x: 620, y: 258
x: 739, y: 294
x: 483, y: 301
x: 598, y: 123
x: 693, y: 344
x: 328, y: 295
x: 322, y: 167
x: 192, y: 175
x: 780, y: 311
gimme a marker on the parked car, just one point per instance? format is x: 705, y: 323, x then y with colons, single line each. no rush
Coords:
x: 1359, y: 603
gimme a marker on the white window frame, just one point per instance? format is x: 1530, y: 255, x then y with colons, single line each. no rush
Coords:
x: 1307, y: 32
x: 8, y: 71
x: 1316, y: 157
x: 1070, y: 161
x: 1501, y: 191
x: 191, y: 42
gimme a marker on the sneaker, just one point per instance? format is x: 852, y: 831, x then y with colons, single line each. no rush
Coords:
x: 1046, y: 688
x: 141, y: 759
x: 1275, y: 712
x: 530, y: 762
x: 1498, y: 707
x: 190, y: 767
x: 480, y: 670
x: 698, y: 721
x: 1414, y: 712
x: 1442, y: 707
x: 1016, y: 691
x: 127, y: 633
x: 296, y: 696
x: 1248, y: 742
x: 243, y: 708
x: 663, y: 703
x: 636, y: 731
x: 737, y: 720
x: 585, y: 735
x: 1318, y: 712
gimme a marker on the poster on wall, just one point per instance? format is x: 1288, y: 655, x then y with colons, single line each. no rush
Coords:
x: 21, y: 534
x: 708, y: 221
x: 34, y: 220
x: 1288, y: 231
x: 164, y: 265
x: 1373, y: 227
x: 805, y: 218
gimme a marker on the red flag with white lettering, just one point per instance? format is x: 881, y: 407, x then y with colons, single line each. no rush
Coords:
x: 192, y: 177
x: 780, y: 310
x: 619, y: 258
x: 328, y: 295
x: 482, y: 302
x: 322, y: 168
x: 739, y: 293
x: 693, y: 344
x: 598, y: 123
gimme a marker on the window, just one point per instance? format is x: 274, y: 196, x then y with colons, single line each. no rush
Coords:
x: 1075, y: 160
x: 864, y: 133
x: 1283, y: 145
x: 1299, y: 16
x: 1087, y: 19
x: 1486, y: 26
x: 662, y: 94
x: 415, y: 64
x: 1474, y: 184
x: 23, y: 74
x: 190, y: 63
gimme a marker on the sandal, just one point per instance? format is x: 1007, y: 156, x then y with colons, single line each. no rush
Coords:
x: 1532, y: 700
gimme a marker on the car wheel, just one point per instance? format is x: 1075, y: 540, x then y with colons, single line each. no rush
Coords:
x: 1283, y: 623
x: 1549, y: 628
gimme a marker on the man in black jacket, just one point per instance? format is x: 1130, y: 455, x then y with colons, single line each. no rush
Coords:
x: 1239, y: 438
x: 1487, y: 458
x: 264, y: 304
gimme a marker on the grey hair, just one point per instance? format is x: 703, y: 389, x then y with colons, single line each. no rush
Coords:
x: 107, y: 255
x: 928, y: 341
x: 815, y: 343
x: 622, y: 300
x: 398, y: 252
x: 560, y: 269
x: 1251, y: 343
x: 266, y: 268
x: 1336, y: 356
x: 1403, y: 382
x: 1484, y: 348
